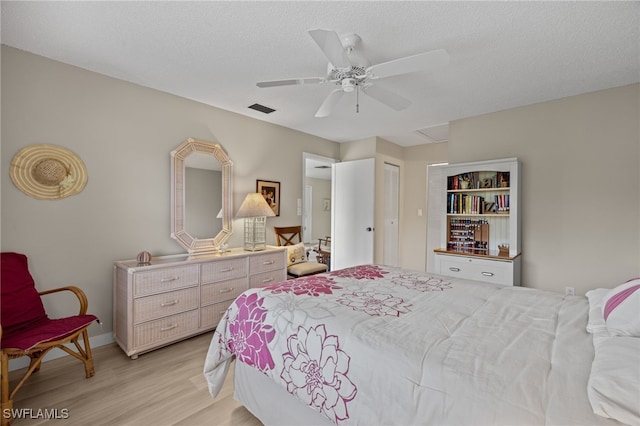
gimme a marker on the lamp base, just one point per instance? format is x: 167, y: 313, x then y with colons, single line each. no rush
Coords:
x: 255, y: 233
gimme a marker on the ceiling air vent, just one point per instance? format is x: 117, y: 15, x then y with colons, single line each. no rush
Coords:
x: 262, y: 108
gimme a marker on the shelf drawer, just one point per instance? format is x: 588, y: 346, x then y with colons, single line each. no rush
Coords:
x: 210, y: 315
x: 493, y: 271
x: 267, y: 261
x: 165, y: 304
x: 266, y: 278
x: 161, y: 280
x: 225, y: 290
x: 222, y: 270
x: 165, y: 329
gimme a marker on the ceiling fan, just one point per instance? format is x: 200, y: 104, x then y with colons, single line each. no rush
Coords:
x: 349, y: 70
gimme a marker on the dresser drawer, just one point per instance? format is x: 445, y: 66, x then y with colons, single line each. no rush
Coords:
x: 267, y: 261
x: 222, y: 270
x: 493, y: 271
x: 225, y: 290
x: 165, y: 304
x: 160, y: 280
x: 165, y: 329
x: 266, y: 278
x: 210, y: 315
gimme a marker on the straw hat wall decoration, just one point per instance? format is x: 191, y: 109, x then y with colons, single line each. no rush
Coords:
x: 48, y: 172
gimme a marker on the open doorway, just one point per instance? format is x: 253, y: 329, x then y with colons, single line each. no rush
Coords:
x: 316, y: 199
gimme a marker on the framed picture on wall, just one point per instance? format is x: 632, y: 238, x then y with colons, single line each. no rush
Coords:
x: 270, y: 190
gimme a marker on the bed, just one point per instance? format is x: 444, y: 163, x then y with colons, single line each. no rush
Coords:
x: 380, y: 345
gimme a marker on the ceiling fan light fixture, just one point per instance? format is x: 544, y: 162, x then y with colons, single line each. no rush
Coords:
x: 348, y: 84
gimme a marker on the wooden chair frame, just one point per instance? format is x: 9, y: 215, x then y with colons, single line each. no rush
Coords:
x: 324, y: 256
x: 37, y: 353
x: 286, y: 234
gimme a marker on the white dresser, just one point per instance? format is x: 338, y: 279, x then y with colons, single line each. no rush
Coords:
x: 498, y: 270
x: 180, y: 296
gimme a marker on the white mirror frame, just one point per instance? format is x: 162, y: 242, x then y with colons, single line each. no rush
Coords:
x: 178, y: 232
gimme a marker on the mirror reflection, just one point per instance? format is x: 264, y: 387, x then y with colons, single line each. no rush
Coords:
x: 316, y: 209
x: 203, y: 195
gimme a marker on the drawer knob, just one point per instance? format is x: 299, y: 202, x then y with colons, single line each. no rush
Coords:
x: 267, y: 280
x: 170, y: 303
x: 226, y: 290
x: 268, y: 262
x: 487, y: 274
x: 171, y: 327
x: 226, y: 270
x: 166, y: 280
x: 452, y: 269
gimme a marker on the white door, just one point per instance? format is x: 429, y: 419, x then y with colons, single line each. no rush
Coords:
x: 391, y: 210
x: 352, y: 218
x: 307, y: 215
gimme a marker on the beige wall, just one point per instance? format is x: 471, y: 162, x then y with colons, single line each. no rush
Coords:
x: 124, y: 134
x: 581, y: 184
x: 358, y: 150
x: 414, y: 231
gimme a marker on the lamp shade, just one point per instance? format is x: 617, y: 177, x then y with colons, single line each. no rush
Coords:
x: 254, y: 205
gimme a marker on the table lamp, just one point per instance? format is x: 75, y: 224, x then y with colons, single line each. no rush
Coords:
x: 254, y: 209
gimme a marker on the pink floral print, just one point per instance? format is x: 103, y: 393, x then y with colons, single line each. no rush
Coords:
x: 313, y: 285
x: 249, y: 333
x: 315, y: 370
x: 374, y: 303
x: 369, y: 272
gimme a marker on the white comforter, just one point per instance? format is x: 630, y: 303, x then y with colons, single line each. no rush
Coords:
x: 380, y: 345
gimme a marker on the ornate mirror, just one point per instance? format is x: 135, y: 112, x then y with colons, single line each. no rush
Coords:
x: 201, y: 205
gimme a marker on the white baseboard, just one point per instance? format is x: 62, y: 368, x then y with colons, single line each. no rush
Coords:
x: 95, y: 342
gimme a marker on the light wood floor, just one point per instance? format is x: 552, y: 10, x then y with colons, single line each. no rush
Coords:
x: 163, y: 387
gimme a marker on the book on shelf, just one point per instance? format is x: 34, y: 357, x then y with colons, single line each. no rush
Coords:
x: 460, y: 203
x: 478, y: 180
x: 501, y: 203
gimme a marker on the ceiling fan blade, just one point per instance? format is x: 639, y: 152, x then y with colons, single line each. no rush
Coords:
x: 330, y: 44
x: 290, y: 82
x: 419, y: 62
x: 328, y: 104
x: 388, y: 98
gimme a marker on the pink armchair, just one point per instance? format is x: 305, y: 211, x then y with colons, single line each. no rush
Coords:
x: 25, y: 329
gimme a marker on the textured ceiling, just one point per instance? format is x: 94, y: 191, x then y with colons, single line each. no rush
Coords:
x: 502, y: 54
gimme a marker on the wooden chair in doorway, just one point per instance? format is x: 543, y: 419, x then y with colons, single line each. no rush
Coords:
x: 298, y: 264
x: 324, y: 251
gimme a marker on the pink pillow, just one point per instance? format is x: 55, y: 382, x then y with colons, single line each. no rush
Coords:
x: 621, y: 309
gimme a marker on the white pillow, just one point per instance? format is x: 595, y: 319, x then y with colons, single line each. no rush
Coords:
x: 296, y: 254
x: 614, y: 381
x: 621, y: 309
x: 596, y: 322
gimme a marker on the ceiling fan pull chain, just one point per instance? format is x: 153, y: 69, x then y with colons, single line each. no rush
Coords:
x: 357, y: 99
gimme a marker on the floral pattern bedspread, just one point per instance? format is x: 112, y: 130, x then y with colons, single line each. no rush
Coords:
x: 379, y: 345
